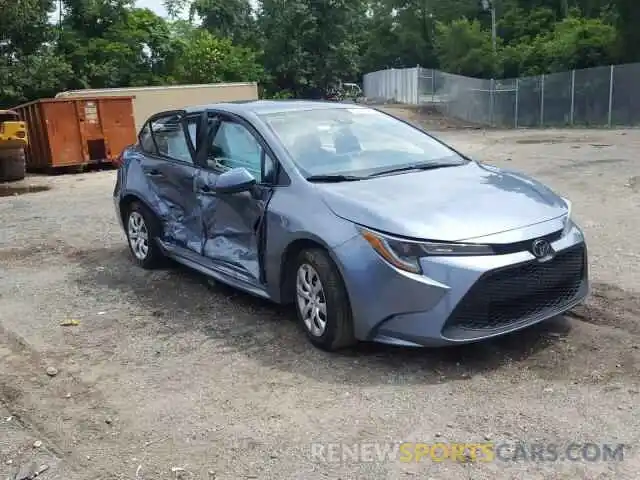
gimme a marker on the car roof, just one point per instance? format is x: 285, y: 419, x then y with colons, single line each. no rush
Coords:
x: 261, y: 107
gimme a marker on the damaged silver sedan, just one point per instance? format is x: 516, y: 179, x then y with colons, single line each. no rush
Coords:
x: 371, y: 227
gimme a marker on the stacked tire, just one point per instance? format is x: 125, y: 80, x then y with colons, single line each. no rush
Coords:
x: 13, y: 165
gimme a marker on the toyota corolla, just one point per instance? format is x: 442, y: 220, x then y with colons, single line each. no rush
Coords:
x: 371, y: 227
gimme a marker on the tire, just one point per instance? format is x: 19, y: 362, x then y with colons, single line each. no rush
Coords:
x: 13, y: 165
x: 141, y: 227
x: 337, y: 332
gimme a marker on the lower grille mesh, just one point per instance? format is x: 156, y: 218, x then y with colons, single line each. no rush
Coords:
x: 514, y: 294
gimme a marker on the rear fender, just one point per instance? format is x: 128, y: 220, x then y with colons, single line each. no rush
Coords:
x: 135, y: 186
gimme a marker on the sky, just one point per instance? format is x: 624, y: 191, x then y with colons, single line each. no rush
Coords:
x: 155, y: 5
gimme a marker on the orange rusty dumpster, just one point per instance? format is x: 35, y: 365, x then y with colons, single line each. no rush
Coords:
x: 68, y: 132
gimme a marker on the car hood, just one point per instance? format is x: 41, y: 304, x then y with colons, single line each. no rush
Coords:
x: 448, y: 204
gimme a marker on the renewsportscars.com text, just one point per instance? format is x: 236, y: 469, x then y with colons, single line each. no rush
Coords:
x: 413, y: 452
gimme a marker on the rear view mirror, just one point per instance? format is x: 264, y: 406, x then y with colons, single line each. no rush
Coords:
x: 235, y: 181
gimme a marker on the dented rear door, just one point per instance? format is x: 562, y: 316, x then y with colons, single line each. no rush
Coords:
x: 170, y: 172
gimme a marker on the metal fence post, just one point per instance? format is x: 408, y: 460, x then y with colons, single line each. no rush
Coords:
x: 610, y: 96
x: 517, y: 101
x: 433, y: 86
x: 573, y: 96
x: 418, y: 88
x: 493, y: 99
x: 542, y: 101
x: 393, y: 85
x: 418, y: 91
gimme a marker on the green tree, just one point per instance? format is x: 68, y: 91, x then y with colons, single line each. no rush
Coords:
x: 628, y: 15
x: 27, y: 77
x: 311, y: 45
x: 111, y: 44
x: 232, y: 19
x: 464, y: 48
x: 517, y: 25
x: 24, y: 25
x: 580, y: 43
x: 299, y: 47
x: 574, y: 43
x: 29, y: 66
x: 203, y: 58
x: 414, y: 25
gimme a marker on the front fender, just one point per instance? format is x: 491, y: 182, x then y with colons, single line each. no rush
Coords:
x: 309, y: 222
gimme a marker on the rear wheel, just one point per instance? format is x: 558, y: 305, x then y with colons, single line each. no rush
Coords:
x: 142, y: 230
x: 13, y: 165
x: 321, y: 301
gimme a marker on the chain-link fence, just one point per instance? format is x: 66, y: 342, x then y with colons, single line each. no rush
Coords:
x: 601, y: 96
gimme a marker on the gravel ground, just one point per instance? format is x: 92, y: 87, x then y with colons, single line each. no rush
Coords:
x: 166, y: 376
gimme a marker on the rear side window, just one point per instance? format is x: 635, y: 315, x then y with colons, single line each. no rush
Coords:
x: 170, y: 138
x: 146, y: 142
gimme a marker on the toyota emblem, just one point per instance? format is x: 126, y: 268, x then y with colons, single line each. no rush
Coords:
x: 541, y: 248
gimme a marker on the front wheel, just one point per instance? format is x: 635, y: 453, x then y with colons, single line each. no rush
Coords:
x: 322, y: 303
x: 141, y: 236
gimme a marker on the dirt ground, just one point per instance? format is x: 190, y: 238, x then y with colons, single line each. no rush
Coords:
x: 166, y: 376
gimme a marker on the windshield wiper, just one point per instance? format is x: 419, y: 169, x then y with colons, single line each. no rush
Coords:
x: 417, y: 166
x: 333, y: 178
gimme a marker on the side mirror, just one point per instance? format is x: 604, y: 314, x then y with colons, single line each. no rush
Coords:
x: 235, y: 181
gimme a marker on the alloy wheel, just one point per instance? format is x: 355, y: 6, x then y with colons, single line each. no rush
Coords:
x: 312, y: 303
x: 138, y: 235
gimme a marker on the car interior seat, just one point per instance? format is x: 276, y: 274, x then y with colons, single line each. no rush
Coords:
x: 345, y: 142
x: 308, y: 145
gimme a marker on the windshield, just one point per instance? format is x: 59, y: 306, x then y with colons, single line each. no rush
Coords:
x: 356, y: 142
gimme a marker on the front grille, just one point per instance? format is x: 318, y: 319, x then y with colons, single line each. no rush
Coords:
x: 515, y: 294
x: 524, y: 245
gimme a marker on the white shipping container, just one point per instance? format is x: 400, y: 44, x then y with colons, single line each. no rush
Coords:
x: 150, y: 100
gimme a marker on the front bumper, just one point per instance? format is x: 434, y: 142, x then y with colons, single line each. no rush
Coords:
x: 463, y: 299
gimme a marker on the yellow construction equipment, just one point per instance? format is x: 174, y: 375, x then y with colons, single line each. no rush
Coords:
x: 13, y: 140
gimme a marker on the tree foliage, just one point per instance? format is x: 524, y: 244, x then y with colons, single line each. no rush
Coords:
x: 299, y: 47
x: 309, y: 44
x: 204, y: 58
x: 464, y: 48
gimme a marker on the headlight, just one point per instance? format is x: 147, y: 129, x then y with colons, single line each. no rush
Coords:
x: 406, y: 254
x: 568, y: 222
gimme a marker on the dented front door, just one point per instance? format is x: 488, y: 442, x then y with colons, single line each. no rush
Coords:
x: 233, y: 222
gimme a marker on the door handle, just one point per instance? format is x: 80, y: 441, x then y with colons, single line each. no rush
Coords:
x: 154, y: 173
x: 206, y: 190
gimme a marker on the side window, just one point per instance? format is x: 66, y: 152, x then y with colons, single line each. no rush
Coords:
x: 170, y: 138
x: 270, y: 172
x: 192, y: 125
x: 146, y: 142
x: 235, y: 146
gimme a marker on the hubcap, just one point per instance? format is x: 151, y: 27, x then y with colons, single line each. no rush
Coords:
x: 138, y: 236
x: 312, y: 303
